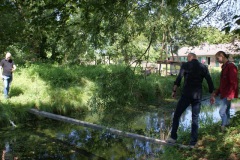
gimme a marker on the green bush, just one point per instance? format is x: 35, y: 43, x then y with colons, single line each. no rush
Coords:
x: 72, y: 89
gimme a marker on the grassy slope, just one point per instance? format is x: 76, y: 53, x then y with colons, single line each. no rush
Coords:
x: 76, y: 89
x: 73, y: 89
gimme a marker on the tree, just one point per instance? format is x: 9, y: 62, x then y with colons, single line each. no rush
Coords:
x: 70, y: 30
x: 11, y: 26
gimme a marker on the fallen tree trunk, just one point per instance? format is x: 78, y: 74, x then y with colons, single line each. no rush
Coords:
x: 98, y: 127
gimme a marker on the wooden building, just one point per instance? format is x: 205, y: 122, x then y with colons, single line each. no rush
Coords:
x: 206, y: 53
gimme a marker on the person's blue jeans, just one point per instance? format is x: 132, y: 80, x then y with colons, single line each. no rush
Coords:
x: 6, y: 82
x: 182, y: 105
x: 224, y: 111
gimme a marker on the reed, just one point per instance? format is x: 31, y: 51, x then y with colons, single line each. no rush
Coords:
x: 68, y: 90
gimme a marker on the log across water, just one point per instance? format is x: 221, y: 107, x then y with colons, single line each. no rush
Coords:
x: 99, y: 127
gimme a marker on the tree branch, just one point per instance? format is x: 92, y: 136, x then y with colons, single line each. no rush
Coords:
x: 149, y: 45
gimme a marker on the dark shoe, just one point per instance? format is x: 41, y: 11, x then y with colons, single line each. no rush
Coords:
x: 192, y: 146
x: 171, y: 140
x: 223, y: 128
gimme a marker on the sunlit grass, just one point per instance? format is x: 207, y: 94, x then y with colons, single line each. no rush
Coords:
x: 31, y: 89
x: 108, y: 91
x: 104, y: 89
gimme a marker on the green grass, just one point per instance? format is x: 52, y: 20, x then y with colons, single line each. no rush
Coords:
x: 110, y: 90
x: 69, y: 89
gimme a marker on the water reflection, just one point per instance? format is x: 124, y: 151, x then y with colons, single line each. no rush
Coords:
x: 7, y: 153
x: 113, y: 147
x: 57, y: 140
x: 209, y: 114
x: 27, y: 142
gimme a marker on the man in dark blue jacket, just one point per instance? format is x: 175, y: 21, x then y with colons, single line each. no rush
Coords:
x: 193, y: 72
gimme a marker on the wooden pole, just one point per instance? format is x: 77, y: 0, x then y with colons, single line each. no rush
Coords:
x: 98, y: 127
x: 166, y: 68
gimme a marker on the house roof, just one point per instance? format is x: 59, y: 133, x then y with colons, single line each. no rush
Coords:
x: 210, y: 49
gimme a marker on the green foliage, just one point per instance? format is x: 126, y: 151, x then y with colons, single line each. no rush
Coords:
x: 75, y: 89
x: 162, y: 85
x: 236, y: 60
x: 230, y: 27
x: 214, y: 36
x: 111, y: 91
x: 70, y: 32
x: 171, y: 154
x: 215, y: 75
x: 66, y: 90
x: 11, y: 27
x: 102, y: 89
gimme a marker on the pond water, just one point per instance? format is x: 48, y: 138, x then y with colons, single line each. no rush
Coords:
x: 50, y: 139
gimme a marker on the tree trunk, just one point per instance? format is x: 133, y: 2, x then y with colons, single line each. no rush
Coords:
x: 42, y: 46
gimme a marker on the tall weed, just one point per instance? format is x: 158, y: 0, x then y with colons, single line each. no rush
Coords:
x: 71, y: 89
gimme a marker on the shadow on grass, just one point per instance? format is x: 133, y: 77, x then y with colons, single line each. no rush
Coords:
x: 117, y: 96
x: 16, y: 91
